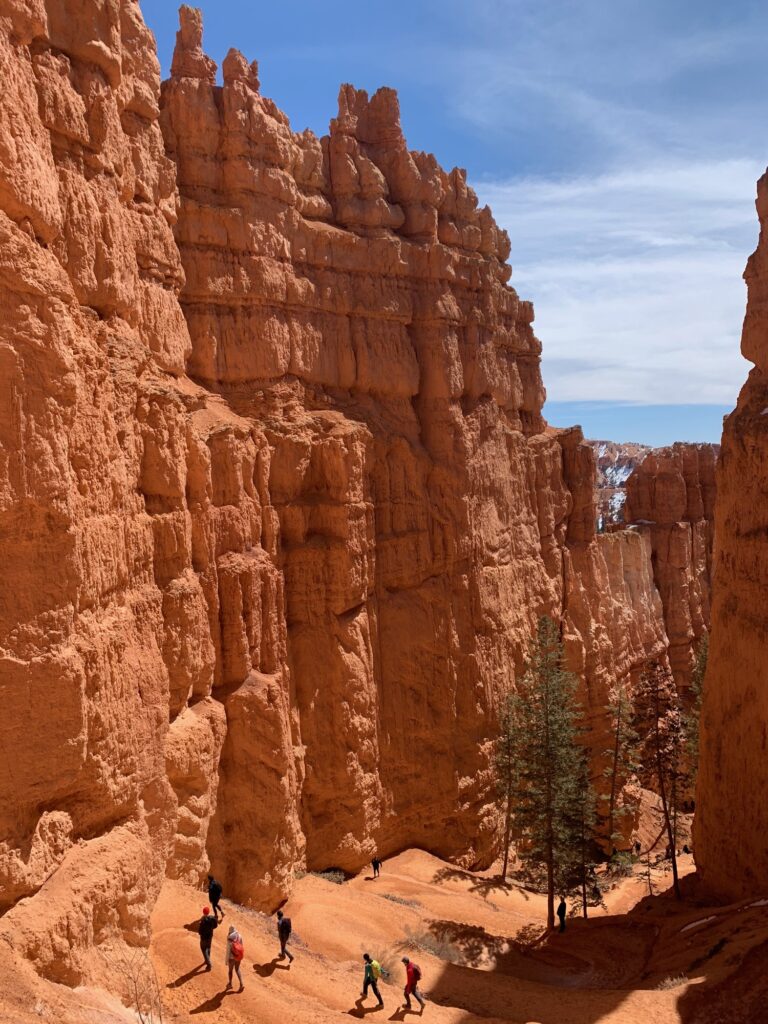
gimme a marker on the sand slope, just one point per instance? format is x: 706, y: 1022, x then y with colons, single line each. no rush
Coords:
x: 572, y: 979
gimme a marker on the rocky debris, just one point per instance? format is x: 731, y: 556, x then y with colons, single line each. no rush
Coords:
x: 730, y: 826
x: 278, y: 507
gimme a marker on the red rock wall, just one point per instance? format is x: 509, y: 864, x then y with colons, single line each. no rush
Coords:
x: 278, y: 509
x: 731, y: 817
x: 671, y: 497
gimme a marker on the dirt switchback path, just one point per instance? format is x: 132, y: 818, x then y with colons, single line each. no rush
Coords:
x: 474, y: 940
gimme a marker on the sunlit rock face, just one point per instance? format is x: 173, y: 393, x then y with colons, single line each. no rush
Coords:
x: 731, y: 811
x: 278, y: 507
x: 671, y: 495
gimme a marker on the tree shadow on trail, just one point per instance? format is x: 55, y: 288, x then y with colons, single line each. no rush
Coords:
x: 484, y: 887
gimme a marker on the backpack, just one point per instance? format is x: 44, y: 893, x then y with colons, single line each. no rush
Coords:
x: 238, y: 952
x: 416, y: 972
x: 376, y: 967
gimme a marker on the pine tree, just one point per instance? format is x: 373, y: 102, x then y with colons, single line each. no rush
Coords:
x: 622, y: 754
x: 658, y: 720
x: 505, y: 762
x: 583, y: 829
x: 548, y: 756
x: 693, y: 714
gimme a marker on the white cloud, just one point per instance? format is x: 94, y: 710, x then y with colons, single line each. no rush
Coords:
x: 636, y: 277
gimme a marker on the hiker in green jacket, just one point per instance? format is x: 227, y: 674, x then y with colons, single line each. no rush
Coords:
x: 371, y: 978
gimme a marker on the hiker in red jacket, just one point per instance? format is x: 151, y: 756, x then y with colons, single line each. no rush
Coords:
x: 234, y: 955
x: 413, y: 977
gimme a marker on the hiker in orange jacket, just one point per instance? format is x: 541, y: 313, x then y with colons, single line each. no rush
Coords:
x: 412, y: 979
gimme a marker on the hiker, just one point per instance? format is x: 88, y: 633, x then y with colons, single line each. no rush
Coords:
x: 234, y: 955
x: 638, y: 849
x: 376, y: 865
x: 412, y: 979
x: 561, y: 912
x: 284, y: 933
x: 371, y: 977
x: 208, y: 922
x: 214, y: 895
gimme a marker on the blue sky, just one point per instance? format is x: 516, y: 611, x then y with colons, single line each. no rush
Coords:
x: 618, y: 141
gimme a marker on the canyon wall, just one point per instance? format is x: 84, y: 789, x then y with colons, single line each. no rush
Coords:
x: 732, y: 818
x: 671, y: 496
x: 278, y: 507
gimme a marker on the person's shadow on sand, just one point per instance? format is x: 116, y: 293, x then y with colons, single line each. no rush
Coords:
x: 184, y: 978
x: 212, y: 1004
x: 402, y: 1011
x: 268, y: 969
x: 360, y: 1010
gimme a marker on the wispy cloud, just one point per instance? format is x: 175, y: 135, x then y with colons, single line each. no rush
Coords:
x: 636, y: 277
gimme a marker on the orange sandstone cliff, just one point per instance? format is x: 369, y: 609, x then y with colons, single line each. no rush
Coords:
x: 671, y: 495
x: 278, y: 507
x: 730, y: 825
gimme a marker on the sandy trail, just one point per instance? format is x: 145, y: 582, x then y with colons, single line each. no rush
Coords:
x: 584, y: 976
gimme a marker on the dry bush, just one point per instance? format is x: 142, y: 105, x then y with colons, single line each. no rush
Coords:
x: 399, y: 899
x: 137, y: 981
x: 673, y: 981
x: 435, y: 942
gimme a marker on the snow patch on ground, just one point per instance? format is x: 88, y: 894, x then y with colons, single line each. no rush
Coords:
x: 617, y: 476
x: 616, y: 502
x: 704, y: 920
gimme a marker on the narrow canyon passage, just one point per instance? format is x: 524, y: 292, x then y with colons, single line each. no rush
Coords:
x: 280, y: 516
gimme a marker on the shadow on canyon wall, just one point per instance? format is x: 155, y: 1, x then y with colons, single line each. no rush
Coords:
x: 596, y: 966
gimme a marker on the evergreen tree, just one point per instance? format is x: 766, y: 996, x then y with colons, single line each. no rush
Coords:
x: 623, y: 757
x: 693, y: 714
x: 583, y: 829
x: 659, y: 721
x: 505, y: 762
x: 549, y: 774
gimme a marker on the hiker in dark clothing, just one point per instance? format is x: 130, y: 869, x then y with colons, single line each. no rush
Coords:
x: 376, y: 865
x: 371, y: 977
x: 214, y: 895
x: 284, y: 933
x: 207, y: 924
x: 561, y: 912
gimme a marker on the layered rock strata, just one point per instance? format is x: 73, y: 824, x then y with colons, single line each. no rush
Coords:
x: 732, y: 817
x: 278, y: 508
x: 671, y: 496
